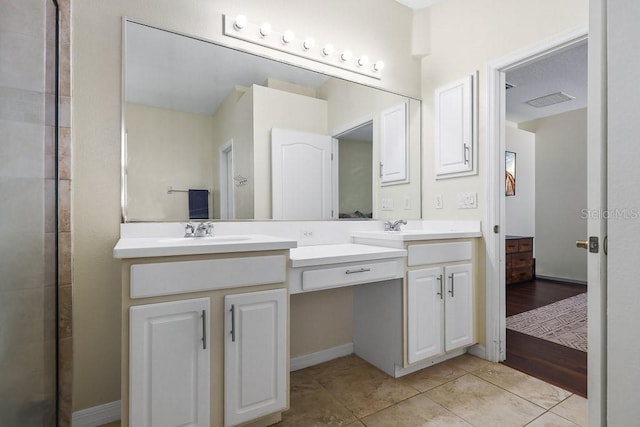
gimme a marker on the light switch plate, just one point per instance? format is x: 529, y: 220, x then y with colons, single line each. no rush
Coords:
x: 468, y: 200
x: 407, y: 204
x: 438, y: 201
x: 387, y: 204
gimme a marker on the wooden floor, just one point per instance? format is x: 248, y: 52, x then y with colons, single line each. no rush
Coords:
x: 554, y: 363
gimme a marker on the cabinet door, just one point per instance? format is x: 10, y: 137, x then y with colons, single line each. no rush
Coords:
x: 454, y: 128
x: 169, y: 364
x: 255, y: 364
x: 424, y: 313
x: 459, y: 307
x: 393, y: 141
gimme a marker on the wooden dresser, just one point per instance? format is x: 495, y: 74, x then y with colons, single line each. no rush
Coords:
x: 520, y: 262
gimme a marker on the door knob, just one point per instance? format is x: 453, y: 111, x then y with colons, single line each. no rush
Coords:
x: 582, y: 244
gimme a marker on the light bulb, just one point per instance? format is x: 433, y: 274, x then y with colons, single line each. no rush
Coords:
x: 240, y: 22
x: 308, y: 44
x: 363, y: 61
x: 378, y: 66
x: 288, y: 37
x: 265, y: 29
x: 327, y: 50
x: 345, y: 56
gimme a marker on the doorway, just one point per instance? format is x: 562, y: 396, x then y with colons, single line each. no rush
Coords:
x: 353, y: 165
x: 495, y: 231
x: 545, y: 191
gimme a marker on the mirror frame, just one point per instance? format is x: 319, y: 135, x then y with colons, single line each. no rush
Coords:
x: 123, y: 132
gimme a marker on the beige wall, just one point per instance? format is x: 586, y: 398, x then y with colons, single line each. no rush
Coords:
x: 561, y: 194
x: 232, y: 122
x: 96, y: 65
x: 466, y: 35
x: 183, y: 152
x: 351, y: 105
x: 354, y: 176
x: 273, y: 108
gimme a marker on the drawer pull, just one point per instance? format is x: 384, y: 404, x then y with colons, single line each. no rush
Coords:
x: 360, y: 270
x: 233, y: 322
x: 204, y: 329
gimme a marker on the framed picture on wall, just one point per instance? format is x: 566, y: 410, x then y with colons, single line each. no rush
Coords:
x: 510, y: 173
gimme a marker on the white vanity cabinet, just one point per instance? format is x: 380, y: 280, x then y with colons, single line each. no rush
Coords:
x: 255, y: 348
x: 440, y: 299
x: 439, y: 310
x: 180, y: 364
x: 170, y: 364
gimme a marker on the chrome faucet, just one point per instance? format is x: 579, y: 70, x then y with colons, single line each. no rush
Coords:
x: 204, y: 229
x: 189, y: 230
x: 394, y: 226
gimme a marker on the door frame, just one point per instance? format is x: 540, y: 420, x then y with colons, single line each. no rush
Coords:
x: 336, y: 134
x: 495, y: 213
x: 227, y: 204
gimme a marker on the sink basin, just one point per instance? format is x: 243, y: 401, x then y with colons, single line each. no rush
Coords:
x: 205, y: 240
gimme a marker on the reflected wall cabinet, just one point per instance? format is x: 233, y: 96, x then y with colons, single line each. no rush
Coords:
x: 455, y: 128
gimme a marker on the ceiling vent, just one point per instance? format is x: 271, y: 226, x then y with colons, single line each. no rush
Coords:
x: 551, y: 99
x: 509, y: 85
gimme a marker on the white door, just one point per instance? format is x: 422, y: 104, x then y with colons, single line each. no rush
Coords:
x: 459, y: 307
x: 255, y: 348
x: 301, y: 175
x: 425, y: 303
x: 454, y: 130
x: 169, y: 364
x: 393, y: 145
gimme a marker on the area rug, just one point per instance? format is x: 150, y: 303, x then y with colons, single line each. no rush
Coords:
x: 563, y: 322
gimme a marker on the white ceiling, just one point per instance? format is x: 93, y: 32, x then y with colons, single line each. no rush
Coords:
x: 185, y: 74
x: 565, y: 71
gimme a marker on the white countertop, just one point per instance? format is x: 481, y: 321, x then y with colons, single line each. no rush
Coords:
x: 306, y: 256
x: 412, y: 235
x: 140, y: 247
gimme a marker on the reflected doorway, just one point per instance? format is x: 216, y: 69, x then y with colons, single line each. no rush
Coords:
x: 354, y: 168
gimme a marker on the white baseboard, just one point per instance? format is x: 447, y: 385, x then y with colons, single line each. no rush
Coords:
x: 400, y: 372
x: 478, y: 351
x: 97, y: 415
x: 306, y: 360
x: 561, y: 279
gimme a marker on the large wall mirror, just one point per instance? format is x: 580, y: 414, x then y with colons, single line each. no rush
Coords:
x: 213, y: 132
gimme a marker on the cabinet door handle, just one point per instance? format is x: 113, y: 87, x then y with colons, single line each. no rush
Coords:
x: 439, y: 279
x: 204, y: 329
x: 360, y: 270
x: 466, y: 154
x: 233, y: 323
x: 451, y: 291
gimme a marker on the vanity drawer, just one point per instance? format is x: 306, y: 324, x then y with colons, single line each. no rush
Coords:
x: 168, y: 278
x: 436, y: 253
x: 350, y: 274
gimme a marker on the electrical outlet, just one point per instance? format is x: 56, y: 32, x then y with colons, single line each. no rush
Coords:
x: 407, y: 203
x: 387, y: 204
x: 438, y: 201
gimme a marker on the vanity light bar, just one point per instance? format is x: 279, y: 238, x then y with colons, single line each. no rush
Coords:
x: 263, y: 34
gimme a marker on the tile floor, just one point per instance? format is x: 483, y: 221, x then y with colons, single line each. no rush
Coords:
x: 465, y: 391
